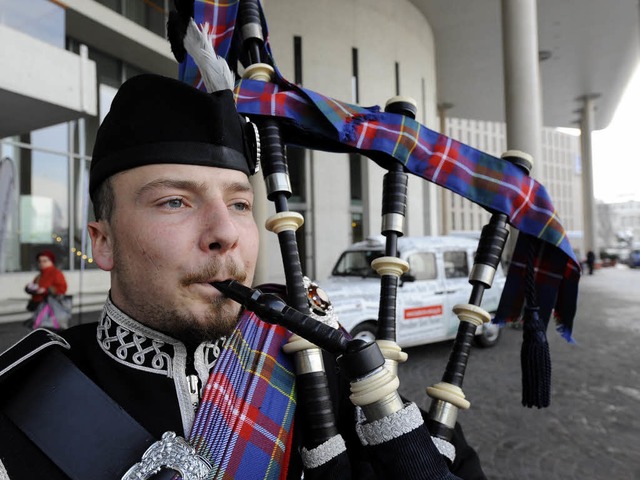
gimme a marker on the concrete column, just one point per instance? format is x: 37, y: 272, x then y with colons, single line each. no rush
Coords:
x: 586, y: 126
x: 523, y: 104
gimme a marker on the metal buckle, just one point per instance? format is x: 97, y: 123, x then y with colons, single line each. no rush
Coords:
x: 171, y: 452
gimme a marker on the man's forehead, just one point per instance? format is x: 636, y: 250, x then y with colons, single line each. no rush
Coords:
x: 165, y: 174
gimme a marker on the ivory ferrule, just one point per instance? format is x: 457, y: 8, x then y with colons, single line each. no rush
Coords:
x: 482, y: 273
x: 448, y: 393
x: 296, y: 344
x: 278, y: 182
x: 471, y: 313
x: 515, y: 156
x: 390, y: 266
x: 284, y: 221
x: 393, y: 222
x: 377, y: 394
x: 392, y: 354
x: 259, y: 71
x: 400, y: 99
x: 391, y: 365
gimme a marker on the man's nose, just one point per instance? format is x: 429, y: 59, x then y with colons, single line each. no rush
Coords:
x: 220, y: 231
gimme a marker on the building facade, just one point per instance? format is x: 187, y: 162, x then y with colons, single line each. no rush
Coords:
x: 559, y: 170
x: 618, y: 227
x: 375, y: 50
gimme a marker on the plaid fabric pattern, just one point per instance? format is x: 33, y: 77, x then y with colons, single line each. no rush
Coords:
x: 553, y: 287
x: 244, y: 423
x: 312, y: 120
x: 488, y: 181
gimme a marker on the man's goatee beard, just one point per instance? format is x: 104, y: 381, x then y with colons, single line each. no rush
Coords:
x: 218, y: 319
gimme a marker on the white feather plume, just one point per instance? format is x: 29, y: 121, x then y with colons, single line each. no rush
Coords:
x: 214, y: 69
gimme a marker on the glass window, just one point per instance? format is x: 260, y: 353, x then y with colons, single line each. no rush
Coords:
x: 357, y: 263
x: 114, y: 5
x: 35, y: 213
x: 422, y: 266
x: 41, y: 19
x: 455, y: 264
x: 355, y: 94
x: 295, y: 163
x: 8, y: 218
x: 44, y: 210
x: 297, y: 60
x: 39, y: 198
x: 150, y: 14
x: 355, y: 178
x: 108, y: 68
x: 130, y: 71
x: 357, y: 232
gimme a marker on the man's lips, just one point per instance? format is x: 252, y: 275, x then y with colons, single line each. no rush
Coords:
x: 207, y: 288
x: 209, y: 285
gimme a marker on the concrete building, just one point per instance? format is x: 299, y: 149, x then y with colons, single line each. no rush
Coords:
x: 63, y: 61
x: 558, y: 169
x: 619, y: 226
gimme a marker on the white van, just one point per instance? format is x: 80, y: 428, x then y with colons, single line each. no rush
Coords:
x: 438, y: 279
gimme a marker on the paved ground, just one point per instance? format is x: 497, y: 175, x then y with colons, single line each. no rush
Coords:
x: 11, y: 332
x: 592, y: 428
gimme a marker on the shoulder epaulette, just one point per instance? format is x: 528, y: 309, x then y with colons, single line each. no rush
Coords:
x: 30, y: 346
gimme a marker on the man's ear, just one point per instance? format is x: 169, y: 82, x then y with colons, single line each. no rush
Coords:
x: 101, y: 244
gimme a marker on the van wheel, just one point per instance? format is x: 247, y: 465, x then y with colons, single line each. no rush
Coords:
x: 365, y: 331
x: 489, y: 336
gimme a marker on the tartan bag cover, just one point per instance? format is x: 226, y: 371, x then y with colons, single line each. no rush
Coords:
x: 312, y: 120
x: 244, y: 424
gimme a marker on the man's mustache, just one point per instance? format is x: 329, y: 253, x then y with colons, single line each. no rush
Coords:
x: 217, y: 269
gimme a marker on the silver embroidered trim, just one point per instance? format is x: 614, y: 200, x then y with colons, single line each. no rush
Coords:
x: 171, y: 452
x: 181, y: 384
x: 133, y: 344
x: 137, y: 346
x: 323, y: 453
x: 445, y: 448
x: 393, y: 426
x: 205, y: 357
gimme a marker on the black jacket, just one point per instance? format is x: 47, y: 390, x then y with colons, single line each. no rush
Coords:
x: 146, y: 372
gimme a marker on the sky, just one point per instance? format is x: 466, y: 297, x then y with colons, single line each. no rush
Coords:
x: 616, y: 156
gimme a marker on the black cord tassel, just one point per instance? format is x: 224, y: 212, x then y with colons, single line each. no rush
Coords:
x: 535, y: 360
x: 535, y: 357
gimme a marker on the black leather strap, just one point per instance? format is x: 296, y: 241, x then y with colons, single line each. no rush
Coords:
x: 78, y: 426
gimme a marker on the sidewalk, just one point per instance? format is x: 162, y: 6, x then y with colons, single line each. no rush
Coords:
x: 13, y: 309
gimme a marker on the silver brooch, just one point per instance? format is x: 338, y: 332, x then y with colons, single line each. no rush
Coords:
x: 172, y: 452
x: 319, y: 303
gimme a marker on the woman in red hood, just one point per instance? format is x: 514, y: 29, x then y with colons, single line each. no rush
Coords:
x: 50, y: 280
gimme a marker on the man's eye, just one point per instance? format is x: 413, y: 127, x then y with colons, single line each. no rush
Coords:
x: 174, y: 203
x: 242, y: 206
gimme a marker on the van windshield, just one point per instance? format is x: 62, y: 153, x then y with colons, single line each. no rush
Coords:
x: 357, y: 264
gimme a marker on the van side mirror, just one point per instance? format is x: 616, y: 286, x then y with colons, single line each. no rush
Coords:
x: 407, y: 277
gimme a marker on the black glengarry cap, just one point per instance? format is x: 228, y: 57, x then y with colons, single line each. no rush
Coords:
x: 155, y: 119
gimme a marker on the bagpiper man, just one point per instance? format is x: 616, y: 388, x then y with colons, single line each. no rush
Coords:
x: 175, y: 378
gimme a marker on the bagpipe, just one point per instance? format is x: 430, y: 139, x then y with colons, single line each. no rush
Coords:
x: 543, y: 274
